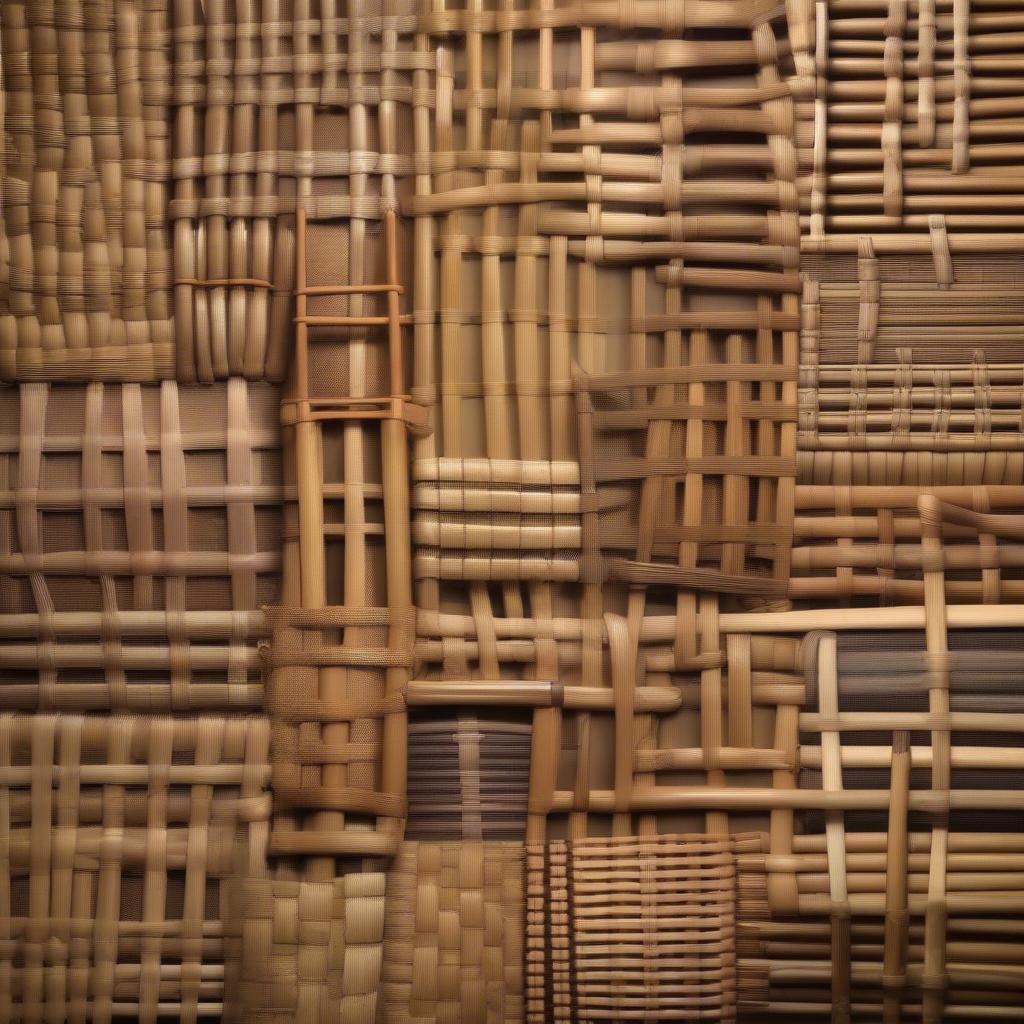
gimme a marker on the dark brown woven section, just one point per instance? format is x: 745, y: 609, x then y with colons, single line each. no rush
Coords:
x: 304, y: 951
x: 453, y: 947
x: 117, y: 837
x: 468, y: 777
x: 139, y: 537
x: 632, y: 928
x: 85, y: 278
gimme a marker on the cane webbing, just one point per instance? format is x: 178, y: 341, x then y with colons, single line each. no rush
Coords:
x: 862, y: 545
x: 453, y: 944
x: 632, y: 928
x: 139, y: 536
x: 85, y: 276
x: 117, y: 837
x: 305, y: 951
x: 468, y: 777
x: 904, y: 115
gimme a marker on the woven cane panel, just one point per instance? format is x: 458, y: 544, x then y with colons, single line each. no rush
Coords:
x: 277, y: 105
x: 140, y: 536
x: 874, y: 933
x: 632, y: 928
x: 607, y: 274
x: 454, y: 936
x: 85, y: 279
x: 117, y: 836
x: 904, y: 116
x: 691, y: 731
x: 862, y: 546
x: 308, y: 952
x: 469, y: 776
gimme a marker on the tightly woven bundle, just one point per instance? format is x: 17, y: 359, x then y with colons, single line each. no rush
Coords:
x: 454, y: 936
x: 468, y: 777
x: 862, y: 545
x: 908, y: 424
x: 140, y: 536
x: 306, y: 951
x: 117, y: 837
x: 632, y: 928
x: 85, y: 276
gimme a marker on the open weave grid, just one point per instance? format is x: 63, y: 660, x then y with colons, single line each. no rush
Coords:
x: 574, y: 303
x: 85, y: 278
x: 307, y: 952
x: 688, y: 731
x: 139, y: 536
x: 278, y: 105
x: 862, y: 546
x: 117, y: 836
x: 453, y: 948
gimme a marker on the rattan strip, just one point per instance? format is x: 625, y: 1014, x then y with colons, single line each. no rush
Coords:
x: 468, y: 776
x: 117, y: 837
x: 863, y: 545
x: 343, y: 648
x: 632, y: 928
x: 454, y: 934
x: 141, y: 535
x: 85, y: 284
x: 305, y: 951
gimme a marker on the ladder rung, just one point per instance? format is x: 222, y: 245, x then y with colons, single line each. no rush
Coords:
x: 342, y: 321
x: 349, y: 289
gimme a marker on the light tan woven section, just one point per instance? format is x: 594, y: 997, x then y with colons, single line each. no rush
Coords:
x: 454, y: 936
x: 922, y: 424
x: 278, y: 104
x: 117, y: 835
x: 619, y: 229
x: 862, y: 546
x: 631, y: 928
x: 305, y: 951
x: 898, y: 895
x: 901, y: 105
x: 692, y: 729
x: 85, y: 276
x: 139, y: 536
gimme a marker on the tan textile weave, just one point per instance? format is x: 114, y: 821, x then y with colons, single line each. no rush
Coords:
x: 305, y: 952
x: 632, y: 928
x: 117, y: 835
x: 139, y: 537
x: 85, y: 271
x: 862, y: 546
x: 454, y: 936
x: 607, y: 275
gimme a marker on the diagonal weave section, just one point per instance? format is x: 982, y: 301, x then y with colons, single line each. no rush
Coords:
x: 139, y: 536
x: 305, y: 951
x: 632, y: 927
x: 85, y: 283
x: 454, y: 937
x: 117, y: 837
